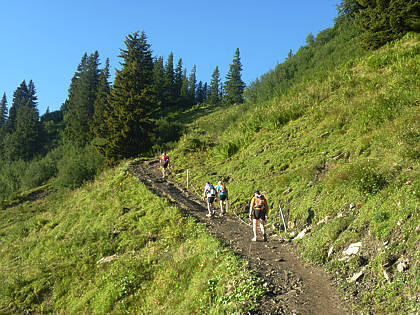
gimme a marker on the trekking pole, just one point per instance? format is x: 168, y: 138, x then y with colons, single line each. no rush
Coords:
x: 282, y: 217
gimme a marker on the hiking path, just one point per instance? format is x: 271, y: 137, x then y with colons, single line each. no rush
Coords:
x: 293, y: 287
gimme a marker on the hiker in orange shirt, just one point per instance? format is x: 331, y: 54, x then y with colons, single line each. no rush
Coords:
x: 258, y: 211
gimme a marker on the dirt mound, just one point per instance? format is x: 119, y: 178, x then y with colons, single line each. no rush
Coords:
x: 293, y: 287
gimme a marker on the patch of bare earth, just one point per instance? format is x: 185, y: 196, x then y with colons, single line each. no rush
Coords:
x: 292, y: 286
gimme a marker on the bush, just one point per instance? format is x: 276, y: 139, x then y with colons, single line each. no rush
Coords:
x: 368, y: 179
x: 39, y: 172
x: 77, y: 166
x: 11, y: 178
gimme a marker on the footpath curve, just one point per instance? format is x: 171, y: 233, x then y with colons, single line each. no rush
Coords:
x: 293, y: 287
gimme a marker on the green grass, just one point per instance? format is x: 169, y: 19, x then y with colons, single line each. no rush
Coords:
x: 166, y: 263
x: 345, y: 142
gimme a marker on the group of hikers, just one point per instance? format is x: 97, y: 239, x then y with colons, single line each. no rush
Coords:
x: 258, y: 208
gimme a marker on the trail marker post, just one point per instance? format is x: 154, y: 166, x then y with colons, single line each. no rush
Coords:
x: 187, y: 177
x: 282, y: 217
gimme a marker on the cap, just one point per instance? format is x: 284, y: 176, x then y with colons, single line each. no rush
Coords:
x: 257, y: 191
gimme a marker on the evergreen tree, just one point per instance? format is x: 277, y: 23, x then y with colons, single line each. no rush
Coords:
x: 178, y: 80
x: 81, y: 99
x: 200, y: 93
x: 383, y: 21
x: 234, y: 86
x: 97, y: 123
x: 170, y: 81
x: 192, y: 85
x: 205, y: 92
x: 184, y: 95
x: 22, y: 140
x: 214, y: 90
x: 160, y: 87
x: 132, y: 102
x: 20, y: 98
x: 3, y: 110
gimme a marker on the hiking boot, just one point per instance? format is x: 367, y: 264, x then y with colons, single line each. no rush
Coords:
x: 254, y: 239
x: 265, y: 237
x: 208, y: 215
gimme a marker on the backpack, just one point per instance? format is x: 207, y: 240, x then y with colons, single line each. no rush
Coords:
x: 164, y: 159
x: 259, y: 203
x: 212, y: 191
x: 222, y: 190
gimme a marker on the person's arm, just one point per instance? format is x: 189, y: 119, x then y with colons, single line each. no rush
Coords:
x: 266, y: 206
x: 250, y: 207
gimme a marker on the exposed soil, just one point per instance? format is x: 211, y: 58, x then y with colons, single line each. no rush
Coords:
x: 293, y: 286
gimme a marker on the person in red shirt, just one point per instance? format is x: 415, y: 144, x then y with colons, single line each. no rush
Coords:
x: 164, y: 163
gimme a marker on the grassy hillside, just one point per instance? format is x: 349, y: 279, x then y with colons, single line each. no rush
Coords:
x: 341, y: 150
x: 162, y: 262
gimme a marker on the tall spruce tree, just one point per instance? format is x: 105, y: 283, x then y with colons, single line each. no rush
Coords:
x: 184, y: 94
x: 160, y: 87
x: 96, y: 123
x: 3, y: 110
x: 82, y: 95
x: 20, y: 99
x: 170, y: 82
x: 192, y: 85
x: 205, y: 92
x: 23, y: 133
x: 214, y: 90
x: 234, y: 86
x: 200, y: 93
x: 178, y: 79
x: 132, y: 102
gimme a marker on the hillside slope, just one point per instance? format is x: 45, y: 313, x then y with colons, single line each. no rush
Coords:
x: 114, y: 247
x: 340, y: 154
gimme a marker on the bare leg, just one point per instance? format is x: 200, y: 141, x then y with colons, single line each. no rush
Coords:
x: 254, y: 229
x: 262, y: 229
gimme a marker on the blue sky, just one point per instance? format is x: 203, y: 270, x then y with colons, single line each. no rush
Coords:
x: 44, y: 40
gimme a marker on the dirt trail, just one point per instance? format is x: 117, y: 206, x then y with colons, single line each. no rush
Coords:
x: 293, y: 287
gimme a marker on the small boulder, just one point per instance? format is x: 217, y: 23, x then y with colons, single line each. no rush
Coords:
x: 301, y: 234
x: 353, y: 249
x: 107, y: 259
x: 403, y: 265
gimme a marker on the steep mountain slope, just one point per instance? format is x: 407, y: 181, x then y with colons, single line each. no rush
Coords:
x: 340, y: 154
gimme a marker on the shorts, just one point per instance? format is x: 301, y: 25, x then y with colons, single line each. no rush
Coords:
x: 258, y: 215
x: 165, y: 165
x: 223, y: 197
x: 210, y: 199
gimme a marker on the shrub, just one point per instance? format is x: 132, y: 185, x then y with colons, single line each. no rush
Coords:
x: 39, y: 172
x: 77, y: 166
x: 367, y: 178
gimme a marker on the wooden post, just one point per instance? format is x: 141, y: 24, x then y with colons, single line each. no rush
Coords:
x: 187, y: 178
x: 282, y: 217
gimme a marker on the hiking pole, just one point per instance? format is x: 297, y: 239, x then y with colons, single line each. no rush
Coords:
x: 282, y: 217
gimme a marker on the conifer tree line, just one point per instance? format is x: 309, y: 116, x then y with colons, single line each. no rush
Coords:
x: 119, y: 119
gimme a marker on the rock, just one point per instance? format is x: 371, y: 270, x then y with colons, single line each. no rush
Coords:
x: 107, y: 259
x: 352, y: 206
x: 324, y: 220
x: 417, y: 228
x: 403, y: 265
x: 386, y: 275
x: 353, y: 249
x: 356, y: 276
x: 330, y: 251
x: 301, y: 234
